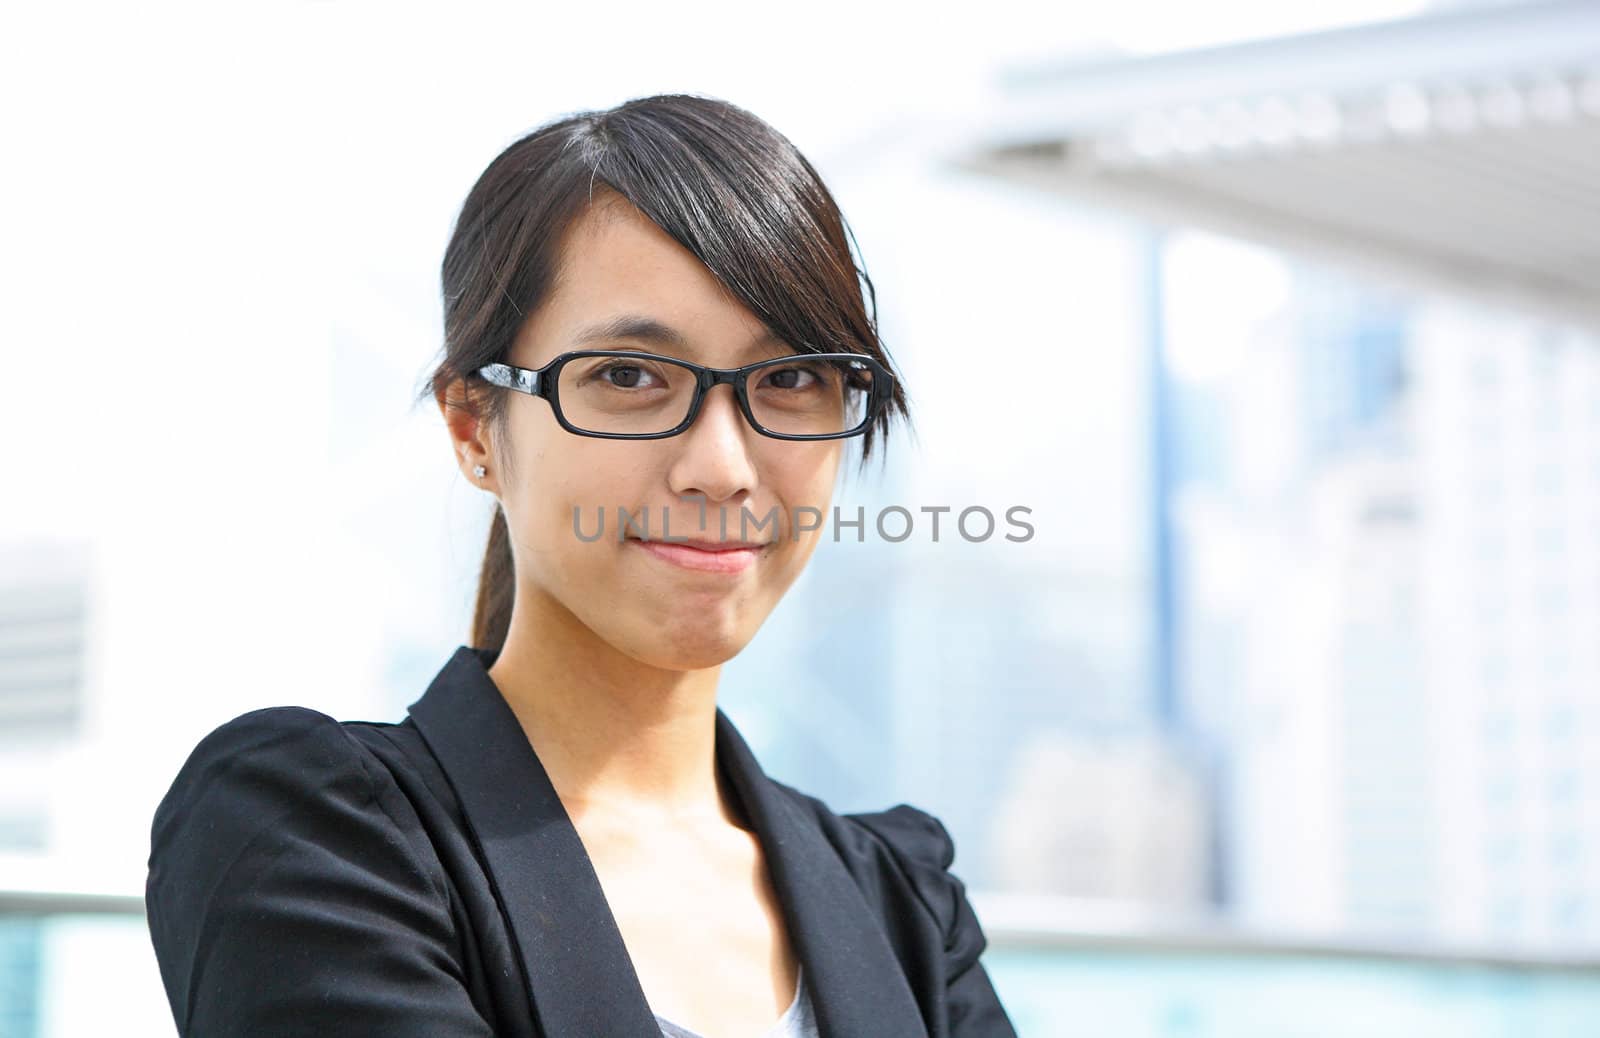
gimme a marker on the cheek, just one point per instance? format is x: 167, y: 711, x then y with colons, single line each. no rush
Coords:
x: 805, y: 479
x: 566, y: 482
x: 578, y: 487
x: 803, y: 484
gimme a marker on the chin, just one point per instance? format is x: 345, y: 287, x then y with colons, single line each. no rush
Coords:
x: 694, y: 645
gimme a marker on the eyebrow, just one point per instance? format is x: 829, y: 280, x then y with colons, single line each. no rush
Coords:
x: 649, y: 330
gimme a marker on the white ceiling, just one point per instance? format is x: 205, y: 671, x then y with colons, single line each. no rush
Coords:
x: 1456, y: 152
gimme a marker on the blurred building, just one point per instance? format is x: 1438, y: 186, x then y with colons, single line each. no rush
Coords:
x: 1374, y: 559
x: 46, y: 590
x: 1120, y: 818
x: 1509, y: 435
x: 1388, y: 613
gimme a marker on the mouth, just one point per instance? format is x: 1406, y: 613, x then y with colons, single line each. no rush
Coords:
x: 705, y: 556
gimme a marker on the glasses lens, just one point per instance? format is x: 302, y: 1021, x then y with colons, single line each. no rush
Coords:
x: 622, y: 393
x: 802, y: 396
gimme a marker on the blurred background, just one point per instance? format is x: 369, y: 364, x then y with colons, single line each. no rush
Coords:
x: 1281, y: 319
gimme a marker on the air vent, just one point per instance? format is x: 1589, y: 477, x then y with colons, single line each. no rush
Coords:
x: 43, y: 623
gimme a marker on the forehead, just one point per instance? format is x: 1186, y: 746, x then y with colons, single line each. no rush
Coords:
x: 614, y: 261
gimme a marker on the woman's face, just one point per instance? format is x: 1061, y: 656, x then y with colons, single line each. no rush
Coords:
x: 700, y: 610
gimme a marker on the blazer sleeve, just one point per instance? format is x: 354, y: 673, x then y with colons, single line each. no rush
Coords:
x: 282, y: 898
x: 926, y: 850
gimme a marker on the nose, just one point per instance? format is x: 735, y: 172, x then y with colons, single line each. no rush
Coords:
x: 714, y: 456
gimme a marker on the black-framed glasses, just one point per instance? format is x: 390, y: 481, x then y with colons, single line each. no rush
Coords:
x: 632, y: 395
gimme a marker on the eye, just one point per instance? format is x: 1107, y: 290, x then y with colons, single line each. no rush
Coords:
x: 622, y: 375
x: 792, y: 378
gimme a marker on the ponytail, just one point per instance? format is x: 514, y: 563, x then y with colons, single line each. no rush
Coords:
x: 491, y: 617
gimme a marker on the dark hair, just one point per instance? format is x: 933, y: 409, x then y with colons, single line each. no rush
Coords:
x: 724, y: 184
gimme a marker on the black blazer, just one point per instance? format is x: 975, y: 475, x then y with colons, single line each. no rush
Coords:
x: 309, y: 876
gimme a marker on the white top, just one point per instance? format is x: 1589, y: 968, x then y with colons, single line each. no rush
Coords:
x: 798, y: 1021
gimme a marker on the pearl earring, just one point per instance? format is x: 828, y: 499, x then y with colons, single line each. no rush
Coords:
x: 479, y: 471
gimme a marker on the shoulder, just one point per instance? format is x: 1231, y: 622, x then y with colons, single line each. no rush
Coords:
x: 283, y: 895
x: 913, y: 839
x: 901, y: 858
x: 916, y: 836
x: 273, y: 783
x: 249, y: 789
x: 909, y: 847
x: 279, y: 727
x: 270, y: 732
x: 249, y: 772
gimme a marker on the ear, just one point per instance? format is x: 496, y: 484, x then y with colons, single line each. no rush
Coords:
x: 469, y: 438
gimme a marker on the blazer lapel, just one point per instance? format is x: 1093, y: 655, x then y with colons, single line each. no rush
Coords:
x: 855, y: 979
x: 572, y: 953
x: 573, y: 956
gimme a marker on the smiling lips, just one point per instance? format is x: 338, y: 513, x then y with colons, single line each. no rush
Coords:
x: 705, y: 556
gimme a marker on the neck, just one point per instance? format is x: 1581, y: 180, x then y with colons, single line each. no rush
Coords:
x: 621, y: 740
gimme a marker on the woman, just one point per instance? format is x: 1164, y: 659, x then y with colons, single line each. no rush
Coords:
x: 566, y: 836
